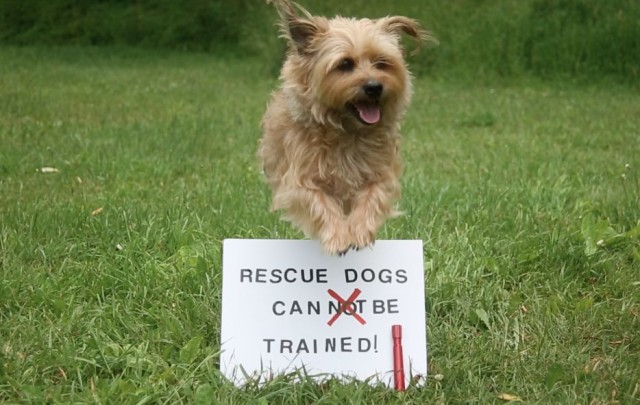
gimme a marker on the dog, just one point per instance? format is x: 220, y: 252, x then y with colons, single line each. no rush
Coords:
x: 329, y: 149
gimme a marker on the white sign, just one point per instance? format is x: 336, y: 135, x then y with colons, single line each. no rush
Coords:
x: 287, y: 306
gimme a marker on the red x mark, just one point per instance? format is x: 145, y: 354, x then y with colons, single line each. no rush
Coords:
x: 345, y: 306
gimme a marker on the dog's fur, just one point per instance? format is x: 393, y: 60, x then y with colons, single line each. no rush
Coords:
x: 330, y: 140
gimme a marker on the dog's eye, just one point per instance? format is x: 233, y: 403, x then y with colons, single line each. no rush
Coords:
x: 346, y: 65
x: 381, y: 64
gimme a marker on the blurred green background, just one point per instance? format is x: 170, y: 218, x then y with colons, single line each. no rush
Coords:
x: 545, y: 38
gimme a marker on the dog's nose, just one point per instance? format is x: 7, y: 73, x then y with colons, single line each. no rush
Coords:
x: 372, y: 88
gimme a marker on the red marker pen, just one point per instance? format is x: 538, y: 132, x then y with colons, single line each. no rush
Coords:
x: 398, y: 362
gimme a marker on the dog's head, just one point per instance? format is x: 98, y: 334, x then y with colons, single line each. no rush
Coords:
x: 347, y: 70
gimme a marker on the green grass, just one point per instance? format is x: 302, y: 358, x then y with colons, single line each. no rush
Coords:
x: 110, y: 267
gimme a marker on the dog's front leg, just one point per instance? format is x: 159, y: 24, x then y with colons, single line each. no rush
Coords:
x: 318, y: 215
x: 371, y: 206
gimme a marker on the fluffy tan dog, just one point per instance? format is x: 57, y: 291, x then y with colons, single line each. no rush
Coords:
x: 331, y: 132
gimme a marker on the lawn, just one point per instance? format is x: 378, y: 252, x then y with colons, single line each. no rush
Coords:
x: 122, y: 170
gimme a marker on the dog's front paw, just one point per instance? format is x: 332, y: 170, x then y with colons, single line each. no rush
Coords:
x: 336, y: 247
x: 362, y: 237
x: 337, y: 242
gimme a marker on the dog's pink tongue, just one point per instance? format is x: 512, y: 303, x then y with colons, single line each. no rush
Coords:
x: 369, y: 113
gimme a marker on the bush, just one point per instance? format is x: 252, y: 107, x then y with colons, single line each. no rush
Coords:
x: 583, y: 37
x: 190, y: 24
x: 546, y: 38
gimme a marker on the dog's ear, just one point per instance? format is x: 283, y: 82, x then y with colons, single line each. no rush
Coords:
x: 397, y: 25
x: 297, y: 30
x: 300, y: 33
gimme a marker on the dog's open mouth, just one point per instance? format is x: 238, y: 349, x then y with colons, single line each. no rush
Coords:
x: 367, y: 113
